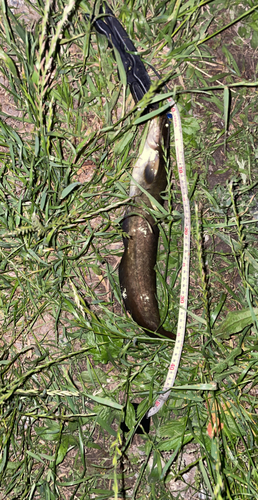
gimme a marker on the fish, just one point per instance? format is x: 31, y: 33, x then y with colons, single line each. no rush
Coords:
x: 137, y: 274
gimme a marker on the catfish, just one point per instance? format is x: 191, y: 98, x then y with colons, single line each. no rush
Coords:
x: 137, y: 274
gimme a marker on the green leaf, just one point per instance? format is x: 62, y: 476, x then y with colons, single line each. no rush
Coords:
x: 171, y: 444
x: 130, y: 415
x: 121, y: 145
x: 152, y: 114
x: 9, y: 63
x: 217, y: 309
x: 105, y: 402
x: 69, y: 189
x: 190, y: 125
x: 254, y: 40
x: 173, y: 429
x: 229, y: 361
x: 67, y: 440
x: 106, y: 427
x: 121, y: 69
x: 236, y: 321
x: 49, y: 433
x: 231, y: 60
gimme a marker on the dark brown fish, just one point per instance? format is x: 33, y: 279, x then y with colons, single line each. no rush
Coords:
x: 136, y: 271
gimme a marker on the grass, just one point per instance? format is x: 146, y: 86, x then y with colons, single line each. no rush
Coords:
x: 70, y: 366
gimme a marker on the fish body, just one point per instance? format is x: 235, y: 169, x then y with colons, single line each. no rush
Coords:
x: 137, y: 275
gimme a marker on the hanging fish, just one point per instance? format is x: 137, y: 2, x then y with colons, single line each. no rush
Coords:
x: 137, y: 274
